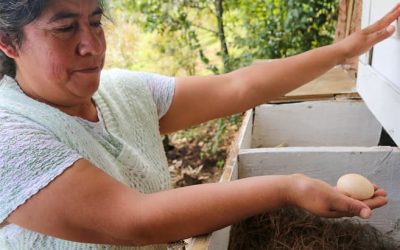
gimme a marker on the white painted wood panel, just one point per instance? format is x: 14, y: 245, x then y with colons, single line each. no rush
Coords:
x: 246, y: 131
x: 386, y: 59
x: 379, y: 84
x: 318, y: 123
x: 219, y: 240
x: 381, y: 99
x: 379, y: 164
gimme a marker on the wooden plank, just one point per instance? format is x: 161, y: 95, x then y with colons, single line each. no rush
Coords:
x: 379, y: 164
x: 317, y: 123
x: 382, y: 98
x: 349, y: 21
x: 350, y: 9
x: 335, y: 81
x: 241, y: 141
x: 219, y: 240
x: 307, y: 98
x: 246, y: 130
x: 342, y: 20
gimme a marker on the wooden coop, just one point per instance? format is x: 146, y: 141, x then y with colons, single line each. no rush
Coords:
x: 331, y: 126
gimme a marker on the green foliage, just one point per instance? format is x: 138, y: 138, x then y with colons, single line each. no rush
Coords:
x: 276, y: 29
x: 253, y: 29
x: 170, y: 20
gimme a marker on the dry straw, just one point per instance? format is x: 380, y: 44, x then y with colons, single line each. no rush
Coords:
x: 297, y: 230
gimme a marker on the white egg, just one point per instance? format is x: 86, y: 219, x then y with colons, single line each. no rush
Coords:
x: 355, y: 186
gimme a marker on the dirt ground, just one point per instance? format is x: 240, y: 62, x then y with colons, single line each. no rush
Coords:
x: 197, y: 155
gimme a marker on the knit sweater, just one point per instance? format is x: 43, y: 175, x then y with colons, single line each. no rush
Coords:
x: 130, y: 116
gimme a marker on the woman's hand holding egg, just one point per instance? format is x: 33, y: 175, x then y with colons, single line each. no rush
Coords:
x: 322, y: 199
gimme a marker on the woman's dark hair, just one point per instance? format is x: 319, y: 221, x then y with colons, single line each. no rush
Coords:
x: 14, y: 15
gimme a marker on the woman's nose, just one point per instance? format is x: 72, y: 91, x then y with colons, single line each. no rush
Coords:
x: 92, y: 42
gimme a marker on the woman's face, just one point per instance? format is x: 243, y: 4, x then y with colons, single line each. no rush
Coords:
x: 62, y: 53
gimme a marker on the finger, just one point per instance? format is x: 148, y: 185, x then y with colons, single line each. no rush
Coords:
x: 376, y: 202
x: 365, y: 213
x: 383, y: 34
x: 385, y: 21
x: 380, y: 192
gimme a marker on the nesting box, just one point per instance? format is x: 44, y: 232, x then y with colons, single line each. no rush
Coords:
x: 327, y: 134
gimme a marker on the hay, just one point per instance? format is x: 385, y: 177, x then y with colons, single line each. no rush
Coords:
x: 296, y: 229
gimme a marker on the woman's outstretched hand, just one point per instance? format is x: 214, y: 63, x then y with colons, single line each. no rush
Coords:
x: 362, y: 40
x: 324, y: 200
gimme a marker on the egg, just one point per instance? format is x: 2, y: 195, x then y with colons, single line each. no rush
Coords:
x: 355, y: 186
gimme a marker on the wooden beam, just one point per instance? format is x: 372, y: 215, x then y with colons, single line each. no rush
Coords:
x: 349, y: 21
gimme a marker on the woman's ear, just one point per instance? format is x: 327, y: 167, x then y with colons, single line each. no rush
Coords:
x: 7, y: 47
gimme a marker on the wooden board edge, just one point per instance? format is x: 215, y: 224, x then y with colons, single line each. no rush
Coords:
x: 322, y: 97
x: 231, y: 165
x: 326, y: 149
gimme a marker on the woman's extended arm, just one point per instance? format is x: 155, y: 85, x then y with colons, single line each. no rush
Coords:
x: 198, y: 99
x: 85, y: 204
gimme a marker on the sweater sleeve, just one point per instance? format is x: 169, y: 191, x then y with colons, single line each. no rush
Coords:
x: 162, y: 89
x: 30, y: 158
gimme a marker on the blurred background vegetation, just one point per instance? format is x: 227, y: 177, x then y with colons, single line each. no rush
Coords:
x: 187, y: 37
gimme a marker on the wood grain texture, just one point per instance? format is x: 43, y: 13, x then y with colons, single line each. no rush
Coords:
x: 335, y: 81
x: 342, y: 20
x: 349, y: 21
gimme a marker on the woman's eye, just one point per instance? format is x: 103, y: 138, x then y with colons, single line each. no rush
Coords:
x: 66, y: 29
x: 96, y: 24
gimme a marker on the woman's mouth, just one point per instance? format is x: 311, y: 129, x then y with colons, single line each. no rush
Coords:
x: 88, y: 70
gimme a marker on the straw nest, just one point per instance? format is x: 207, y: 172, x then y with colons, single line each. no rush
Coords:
x: 295, y: 229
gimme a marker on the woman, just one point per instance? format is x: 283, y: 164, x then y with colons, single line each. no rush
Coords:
x: 81, y: 160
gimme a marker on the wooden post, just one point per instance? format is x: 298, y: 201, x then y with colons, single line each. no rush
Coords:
x: 349, y: 21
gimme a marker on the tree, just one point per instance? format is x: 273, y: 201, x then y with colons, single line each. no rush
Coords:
x: 276, y: 29
x: 181, y: 20
x: 245, y: 29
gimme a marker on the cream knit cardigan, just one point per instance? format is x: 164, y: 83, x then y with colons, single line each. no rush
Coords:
x: 129, y: 114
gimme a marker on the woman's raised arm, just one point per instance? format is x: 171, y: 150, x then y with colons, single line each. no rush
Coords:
x: 199, y: 99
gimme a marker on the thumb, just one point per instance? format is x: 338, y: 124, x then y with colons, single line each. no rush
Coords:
x: 365, y: 213
x: 359, y: 208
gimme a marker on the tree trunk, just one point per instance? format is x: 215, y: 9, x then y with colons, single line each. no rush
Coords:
x: 221, y: 35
